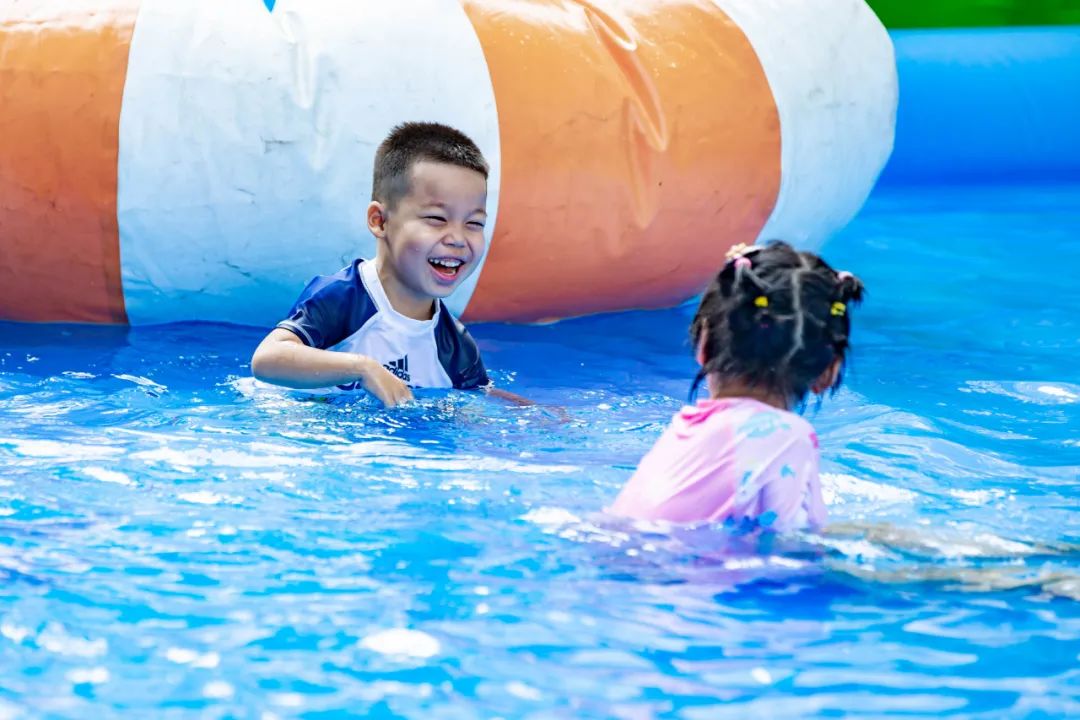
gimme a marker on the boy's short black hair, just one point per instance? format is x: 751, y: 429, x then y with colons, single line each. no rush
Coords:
x: 413, y: 142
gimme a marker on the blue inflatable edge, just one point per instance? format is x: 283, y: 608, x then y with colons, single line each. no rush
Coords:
x: 987, y: 105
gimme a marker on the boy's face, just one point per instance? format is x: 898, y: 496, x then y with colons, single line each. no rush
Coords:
x: 434, y: 238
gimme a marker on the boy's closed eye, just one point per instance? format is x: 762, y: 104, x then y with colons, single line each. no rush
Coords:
x: 440, y: 220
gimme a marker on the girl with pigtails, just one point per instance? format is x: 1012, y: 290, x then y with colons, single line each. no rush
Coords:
x: 772, y: 328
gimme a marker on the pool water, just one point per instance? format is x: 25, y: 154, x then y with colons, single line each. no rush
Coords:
x: 177, y: 543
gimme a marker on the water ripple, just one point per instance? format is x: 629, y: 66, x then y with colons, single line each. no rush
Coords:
x: 176, y: 541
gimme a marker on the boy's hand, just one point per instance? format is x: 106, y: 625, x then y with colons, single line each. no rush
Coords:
x: 382, y: 383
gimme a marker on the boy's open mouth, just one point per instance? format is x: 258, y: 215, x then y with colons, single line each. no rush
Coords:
x: 446, y: 268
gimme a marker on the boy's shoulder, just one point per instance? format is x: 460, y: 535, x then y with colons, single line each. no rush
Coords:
x: 458, y: 351
x: 331, y: 307
x: 451, y: 331
x: 340, y: 283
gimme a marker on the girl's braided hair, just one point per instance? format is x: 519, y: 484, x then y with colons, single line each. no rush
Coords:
x: 775, y: 318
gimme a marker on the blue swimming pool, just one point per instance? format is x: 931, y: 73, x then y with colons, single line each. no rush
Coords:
x: 174, y: 543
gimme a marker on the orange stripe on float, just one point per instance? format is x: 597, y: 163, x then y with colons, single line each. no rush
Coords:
x: 62, y: 70
x: 638, y: 145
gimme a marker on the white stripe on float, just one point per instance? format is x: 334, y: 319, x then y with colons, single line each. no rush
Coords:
x: 833, y: 75
x: 247, y: 139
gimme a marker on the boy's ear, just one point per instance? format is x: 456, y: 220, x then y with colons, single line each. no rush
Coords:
x: 376, y: 219
x: 699, y: 354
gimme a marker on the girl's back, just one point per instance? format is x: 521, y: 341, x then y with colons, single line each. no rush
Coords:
x: 729, y: 459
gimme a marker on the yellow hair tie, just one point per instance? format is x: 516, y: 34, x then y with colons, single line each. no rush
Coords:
x: 761, y: 301
x: 838, y: 309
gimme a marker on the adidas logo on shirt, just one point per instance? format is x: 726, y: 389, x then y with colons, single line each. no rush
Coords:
x: 399, y: 367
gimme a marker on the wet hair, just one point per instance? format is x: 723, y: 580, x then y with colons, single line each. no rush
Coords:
x: 775, y: 318
x: 412, y: 142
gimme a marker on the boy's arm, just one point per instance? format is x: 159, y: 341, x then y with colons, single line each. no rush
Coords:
x: 507, y: 396
x: 283, y: 359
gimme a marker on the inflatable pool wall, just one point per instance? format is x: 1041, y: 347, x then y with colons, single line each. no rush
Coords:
x: 989, y: 90
x: 168, y: 161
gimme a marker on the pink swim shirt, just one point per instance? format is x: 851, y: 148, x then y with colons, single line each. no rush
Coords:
x: 729, y: 459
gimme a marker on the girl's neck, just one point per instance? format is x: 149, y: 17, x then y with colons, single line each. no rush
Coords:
x: 736, y: 389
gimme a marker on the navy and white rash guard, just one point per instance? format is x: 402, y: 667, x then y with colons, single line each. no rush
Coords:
x: 349, y: 311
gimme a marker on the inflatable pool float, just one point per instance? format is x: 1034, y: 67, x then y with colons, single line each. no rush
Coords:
x: 170, y: 161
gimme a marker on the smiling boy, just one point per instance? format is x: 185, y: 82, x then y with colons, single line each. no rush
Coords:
x: 380, y: 324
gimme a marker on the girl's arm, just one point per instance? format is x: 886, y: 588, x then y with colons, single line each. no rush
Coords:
x: 789, y: 494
